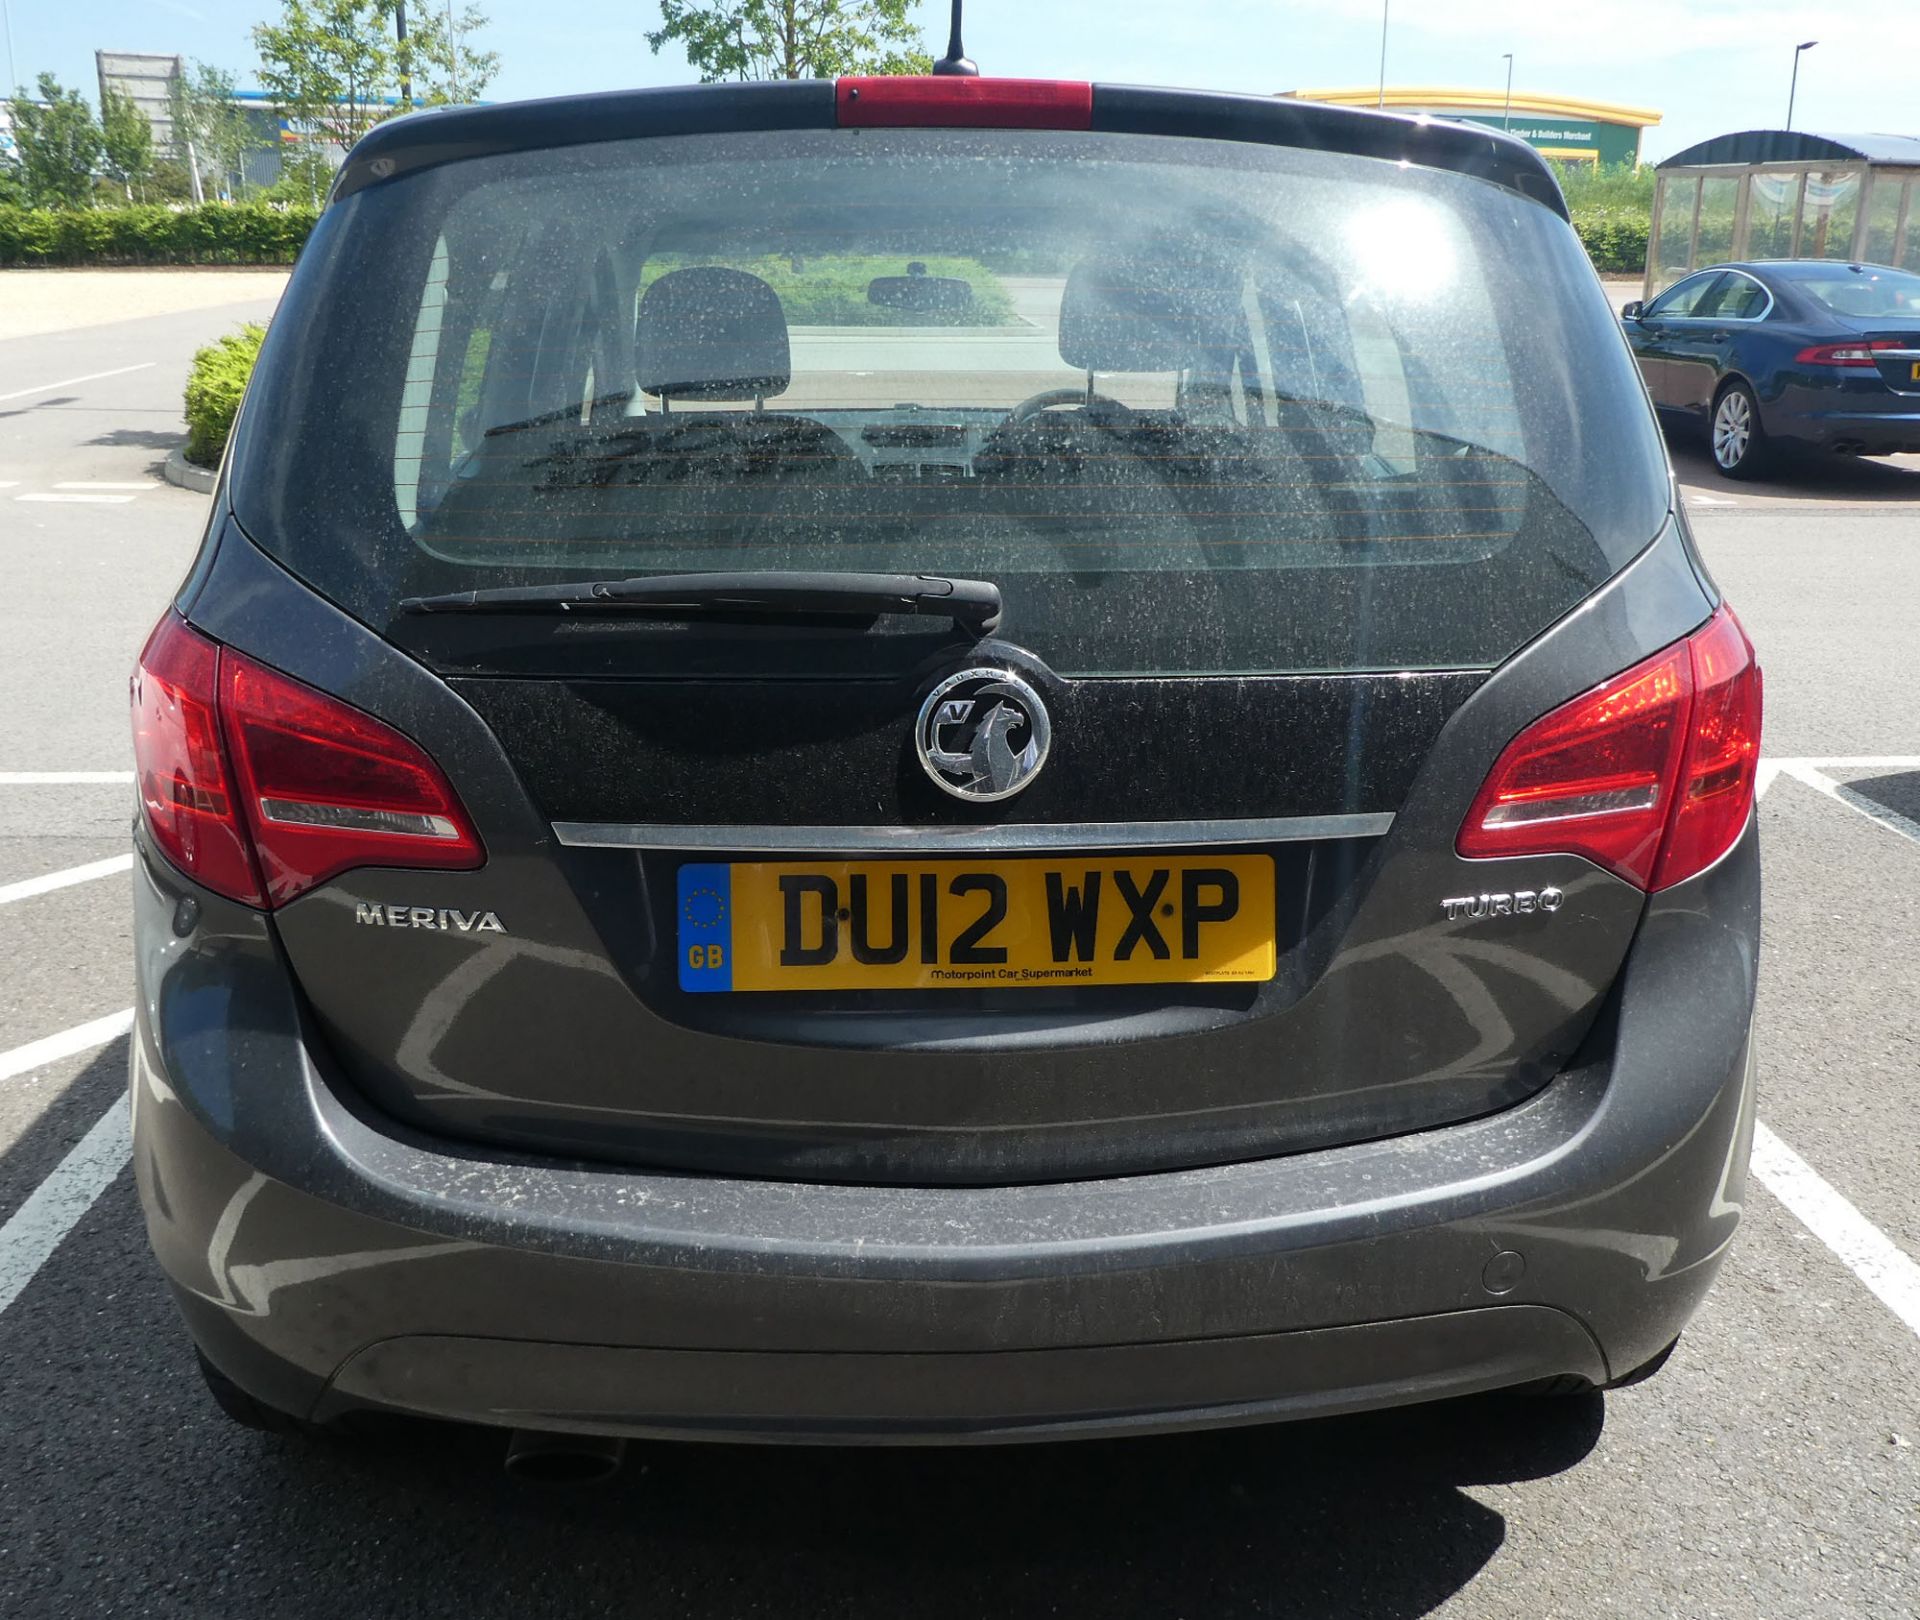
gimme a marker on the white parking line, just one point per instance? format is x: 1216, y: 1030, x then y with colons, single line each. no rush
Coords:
x: 69, y: 382
x: 64, y: 778
x: 1861, y: 1246
x: 94, y: 483
x: 52, y: 1048
x: 47, y: 882
x: 76, y: 500
x: 1788, y: 765
x: 1820, y: 782
x: 1852, y: 762
x: 54, y: 1208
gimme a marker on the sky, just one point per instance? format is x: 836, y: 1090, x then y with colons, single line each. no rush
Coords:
x: 1709, y: 66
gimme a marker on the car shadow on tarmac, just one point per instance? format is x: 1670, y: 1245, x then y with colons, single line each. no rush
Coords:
x: 1345, y: 1517
x: 141, y: 1497
x: 144, y: 1496
x: 1898, y: 791
x: 1860, y: 480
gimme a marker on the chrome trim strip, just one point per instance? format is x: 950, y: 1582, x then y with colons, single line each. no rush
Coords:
x: 1012, y: 839
x: 1748, y: 320
x: 1716, y: 320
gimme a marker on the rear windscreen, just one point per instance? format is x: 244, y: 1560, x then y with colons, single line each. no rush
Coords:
x: 1862, y: 293
x: 1195, y: 406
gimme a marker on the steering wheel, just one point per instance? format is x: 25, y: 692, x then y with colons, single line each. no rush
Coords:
x: 1047, y: 398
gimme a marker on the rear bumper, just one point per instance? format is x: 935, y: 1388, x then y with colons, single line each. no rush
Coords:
x: 1873, y: 433
x: 1868, y: 418
x: 325, y: 1260
x: 961, y: 1396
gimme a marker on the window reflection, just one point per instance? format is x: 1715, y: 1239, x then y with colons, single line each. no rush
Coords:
x: 1828, y: 207
x: 1679, y: 194
x: 1772, y: 202
x: 1719, y: 198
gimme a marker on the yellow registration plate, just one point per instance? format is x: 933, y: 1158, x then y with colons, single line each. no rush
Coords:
x: 968, y: 925
x: 1916, y: 371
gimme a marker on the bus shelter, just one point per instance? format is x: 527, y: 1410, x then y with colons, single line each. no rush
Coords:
x: 1786, y: 194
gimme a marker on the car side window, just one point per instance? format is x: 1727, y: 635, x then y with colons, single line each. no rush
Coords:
x: 1732, y: 298
x: 1685, y: 299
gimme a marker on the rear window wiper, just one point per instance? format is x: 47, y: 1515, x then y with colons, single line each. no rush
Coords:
x: 972, y: 602
x: 566, y: 414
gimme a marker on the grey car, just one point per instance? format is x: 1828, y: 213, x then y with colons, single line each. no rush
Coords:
x: 939, y: 760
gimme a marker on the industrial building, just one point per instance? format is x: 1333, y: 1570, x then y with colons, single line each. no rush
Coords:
x: 1559, y: 127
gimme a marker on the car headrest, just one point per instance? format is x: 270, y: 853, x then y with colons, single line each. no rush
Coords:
x: 1146, y: 315
x: 710, y: 333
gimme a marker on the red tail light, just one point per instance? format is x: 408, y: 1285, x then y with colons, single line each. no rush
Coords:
x: 1715, y: 794
x: 1859, y: 354
x: 1650, y: 775
x: 186, y: 791
x: 300, y: 786
x: 965, y: 103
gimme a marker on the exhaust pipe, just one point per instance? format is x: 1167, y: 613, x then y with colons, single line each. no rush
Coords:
x: 537, y: 1457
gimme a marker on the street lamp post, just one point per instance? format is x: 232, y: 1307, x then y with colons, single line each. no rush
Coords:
x: 1794, y: 86
x: 6, y: 18
x: 1385, y: 7
x: 400, y: 39
x: 1506, y: 112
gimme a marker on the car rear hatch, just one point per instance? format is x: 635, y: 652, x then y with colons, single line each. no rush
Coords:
x: 1883, y: 307
x: 1272, y: 448
x: 1895, y: 353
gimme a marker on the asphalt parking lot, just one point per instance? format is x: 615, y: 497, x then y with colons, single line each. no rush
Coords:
x: 1772, y: 1470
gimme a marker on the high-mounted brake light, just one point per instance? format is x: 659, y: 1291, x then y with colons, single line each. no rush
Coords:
x: 261, y: 787
x: 964, y: 103
x: 1651, y: 774
x: 1859, y: 354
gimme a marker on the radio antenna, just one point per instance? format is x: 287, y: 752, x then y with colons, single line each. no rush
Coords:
x: 955, y: 63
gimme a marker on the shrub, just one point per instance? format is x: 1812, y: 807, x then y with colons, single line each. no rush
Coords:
x: 214, y: 386
x: 214, y: 233
x: 1607, y: 185
x: 1615, y: 238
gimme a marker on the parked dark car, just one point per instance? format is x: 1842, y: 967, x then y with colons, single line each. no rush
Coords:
x: 1785, y: 355
x: 926, y: 759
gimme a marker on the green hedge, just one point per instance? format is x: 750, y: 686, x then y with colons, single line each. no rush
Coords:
x: 214, y: 233
x: 254, y: 233
x: 214, y: 386
x: 1615, y: 238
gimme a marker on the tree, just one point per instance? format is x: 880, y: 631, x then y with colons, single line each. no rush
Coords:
x: 304, y: 177
x: 337, y: 68
x: 59, y: 145
x: 126, y: 140
x: 211, y: 123
x: 170, y: 181
x: 792, y: 39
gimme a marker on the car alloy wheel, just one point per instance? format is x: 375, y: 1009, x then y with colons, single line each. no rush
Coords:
x: 1737, y: 435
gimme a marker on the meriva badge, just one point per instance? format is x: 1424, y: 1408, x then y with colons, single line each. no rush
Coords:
x: 442, y: 919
